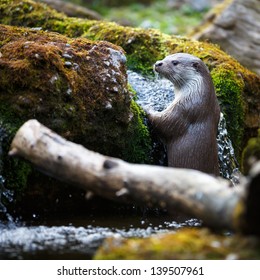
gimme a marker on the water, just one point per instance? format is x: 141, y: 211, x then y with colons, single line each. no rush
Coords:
x: 5, y: 194
x: 226, y: 154
x: 79, y: 239
x: 154, y: 92
x: 159, y: 93
x: 2, y: 207
x: 2, y: 138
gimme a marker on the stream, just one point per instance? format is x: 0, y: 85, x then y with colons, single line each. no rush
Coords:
x: 77, y: 238
x: 80, y: 237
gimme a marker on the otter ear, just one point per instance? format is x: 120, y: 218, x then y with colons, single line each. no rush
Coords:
x: 195, y: 65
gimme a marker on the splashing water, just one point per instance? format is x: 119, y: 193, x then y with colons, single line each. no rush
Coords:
x: 154, y: 92
x: 27, y: 242
x: 2, y: 136
x: 2, y: 207
x: 5, y: 194
x: 226, y: 154
x: 159, y: 93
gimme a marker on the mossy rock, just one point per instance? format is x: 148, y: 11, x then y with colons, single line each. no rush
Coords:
x: 185, y: 244
x: 76, y: 87
x: 237, y: 88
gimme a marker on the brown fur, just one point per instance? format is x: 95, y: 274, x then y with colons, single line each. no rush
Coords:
x: 188, y: 126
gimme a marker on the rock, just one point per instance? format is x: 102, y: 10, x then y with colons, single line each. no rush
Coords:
x: 235, y: 27
x: 76, y: 87
x: 71, y: 9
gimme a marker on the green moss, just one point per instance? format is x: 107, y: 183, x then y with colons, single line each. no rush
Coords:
x: 138, y: 148
x: 185, y: 244
x: 229, y: 89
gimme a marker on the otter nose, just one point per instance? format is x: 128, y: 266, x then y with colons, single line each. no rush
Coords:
x: 157, y: 65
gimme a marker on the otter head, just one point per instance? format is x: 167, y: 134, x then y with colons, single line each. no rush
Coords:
x: 181, y: 69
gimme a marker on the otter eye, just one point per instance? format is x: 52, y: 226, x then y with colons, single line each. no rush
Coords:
x: 175, y: 62
x: 195, y: 65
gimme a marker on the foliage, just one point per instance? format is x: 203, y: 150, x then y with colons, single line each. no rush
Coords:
x: 157, y: 15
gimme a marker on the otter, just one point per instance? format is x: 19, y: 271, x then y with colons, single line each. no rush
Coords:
x: 188, y: 126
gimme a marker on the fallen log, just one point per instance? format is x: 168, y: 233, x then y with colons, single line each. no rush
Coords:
x: 192, y: 192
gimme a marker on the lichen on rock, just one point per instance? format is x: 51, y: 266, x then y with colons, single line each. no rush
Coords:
x: 76, y: 87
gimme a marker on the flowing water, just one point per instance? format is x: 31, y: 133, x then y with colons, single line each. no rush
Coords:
x: 79, y: 238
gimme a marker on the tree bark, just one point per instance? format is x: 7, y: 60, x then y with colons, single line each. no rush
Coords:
x: 207, y: 198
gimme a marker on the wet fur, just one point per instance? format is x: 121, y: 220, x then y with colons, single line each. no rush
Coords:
x: 188, y: 126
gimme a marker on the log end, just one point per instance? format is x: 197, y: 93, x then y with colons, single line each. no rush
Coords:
x: 252, y: 201
x: 250, y: 211
x: 13, y: 152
